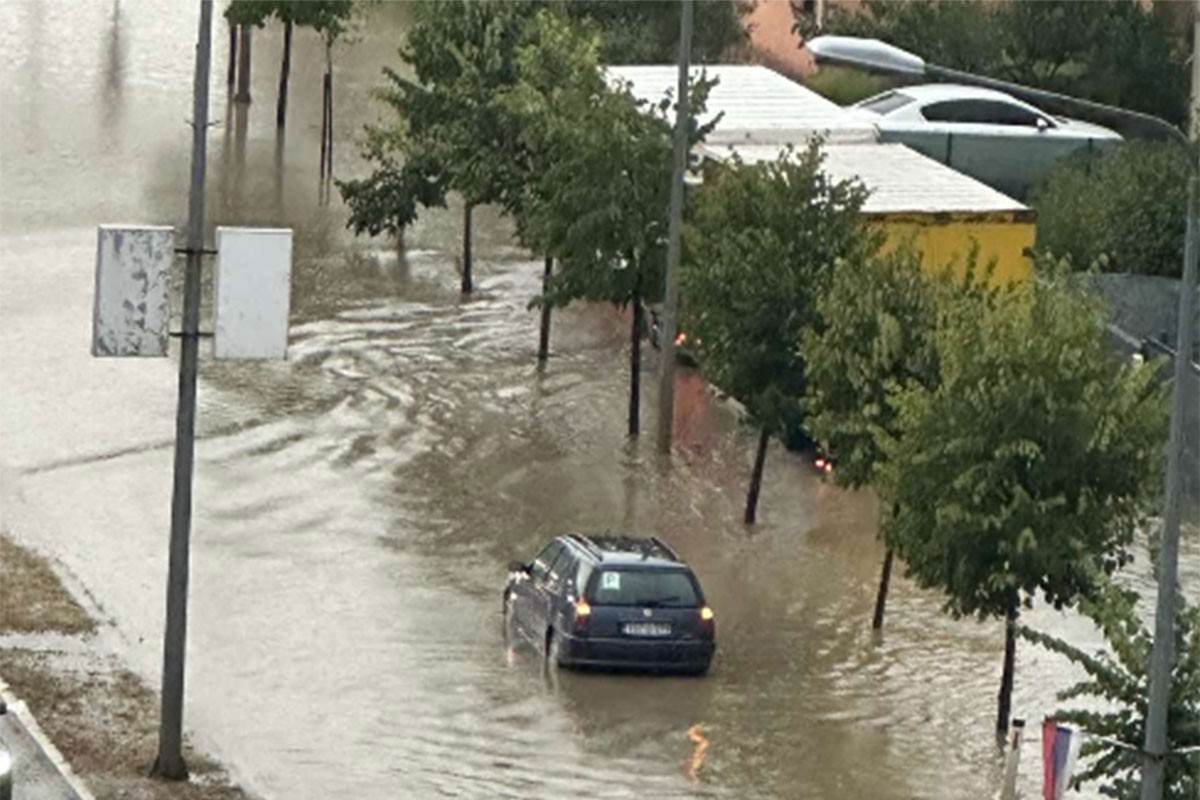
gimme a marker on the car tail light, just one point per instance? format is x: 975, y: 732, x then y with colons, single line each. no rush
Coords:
x: 582, y: 612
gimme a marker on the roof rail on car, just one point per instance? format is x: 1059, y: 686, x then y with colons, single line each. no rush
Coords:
x: 665, y: 547
x: 586, y: 544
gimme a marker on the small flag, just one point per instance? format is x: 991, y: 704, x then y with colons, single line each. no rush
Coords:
x: 1060, y: 749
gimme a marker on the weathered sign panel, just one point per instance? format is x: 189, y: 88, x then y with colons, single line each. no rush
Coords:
x: 252, y: 285
x: 133, y: 266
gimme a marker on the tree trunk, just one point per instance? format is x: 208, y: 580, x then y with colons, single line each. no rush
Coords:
x: 881, y: 597
x: 328, y: 115
x: 544, y: 336
x: 468, y: 285
x: 635, y: 363
x: 233, y: 51
x: 760, y: 458
x: 284, y: 73
x: 1006, y: 678
x: 243, y: 78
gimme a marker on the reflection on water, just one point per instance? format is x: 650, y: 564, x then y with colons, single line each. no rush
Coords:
x: 357, y: 504
x: 696, y: 735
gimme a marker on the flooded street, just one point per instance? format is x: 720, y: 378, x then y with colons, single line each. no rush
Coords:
x: 356, y: 505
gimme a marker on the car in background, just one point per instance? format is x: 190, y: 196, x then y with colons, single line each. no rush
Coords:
x: 995, y: 138
x: 610, y: 602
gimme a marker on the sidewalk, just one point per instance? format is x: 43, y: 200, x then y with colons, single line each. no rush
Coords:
x: 39, y: 770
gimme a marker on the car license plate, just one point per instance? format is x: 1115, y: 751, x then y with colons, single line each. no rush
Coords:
x: 647, y: 629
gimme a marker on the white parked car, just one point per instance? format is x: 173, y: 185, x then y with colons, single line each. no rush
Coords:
x: 995, y: 138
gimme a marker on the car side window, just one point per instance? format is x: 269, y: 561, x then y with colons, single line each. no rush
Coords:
x: 985, y: 112
x: 561, y: 569
x: 540, y: 569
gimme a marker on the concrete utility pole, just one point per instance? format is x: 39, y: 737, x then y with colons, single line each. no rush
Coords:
x: 666, y: 337
x: 1162, y: 660
x: 169, y: 763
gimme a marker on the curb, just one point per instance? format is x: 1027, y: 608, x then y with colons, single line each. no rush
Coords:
x: 19, y: 713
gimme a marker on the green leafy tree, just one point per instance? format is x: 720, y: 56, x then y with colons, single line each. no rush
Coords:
x: 647, y: 32
x: 760, y: 247
x: 1113, y: 51
x: 878, y: 318
x: 597, y: 191
x: 451, y: 132
x: 1028, y: 468
x: 1123, y: 211
x: 1118, y: 678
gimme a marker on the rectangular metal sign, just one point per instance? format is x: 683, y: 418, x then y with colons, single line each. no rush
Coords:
x: 252, y: 285
x: 133, y: 267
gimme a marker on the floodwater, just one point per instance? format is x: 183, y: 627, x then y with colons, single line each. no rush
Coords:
x: 355, y: 506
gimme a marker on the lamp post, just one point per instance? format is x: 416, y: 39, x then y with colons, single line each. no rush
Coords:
x: 875, y: 55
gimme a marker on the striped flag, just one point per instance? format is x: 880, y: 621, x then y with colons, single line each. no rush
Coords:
x: 1060, y: 749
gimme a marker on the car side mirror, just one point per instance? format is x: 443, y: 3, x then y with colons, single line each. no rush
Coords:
x: 518, y: 566
x: 1043, y: 124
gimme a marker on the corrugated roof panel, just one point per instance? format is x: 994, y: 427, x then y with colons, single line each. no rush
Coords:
x: 760, y: 106
x: 899, y: 179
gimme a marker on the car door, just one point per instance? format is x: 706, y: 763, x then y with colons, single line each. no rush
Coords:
x: 527, y: 592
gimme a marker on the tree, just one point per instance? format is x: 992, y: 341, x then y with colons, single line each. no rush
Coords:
x: 878, y: 318
x: 1123, y: 210
x: 245, y: 15
x: 596, y: 193
x: 451, y: 125
x: 329, y: 18
x: 1112, y: 51
x: 1028, y: 468
x: 760, y: 247
x: 647, y: 32
x: 1118, y: 679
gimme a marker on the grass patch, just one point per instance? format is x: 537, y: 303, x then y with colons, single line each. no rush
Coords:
x: 32, y: 598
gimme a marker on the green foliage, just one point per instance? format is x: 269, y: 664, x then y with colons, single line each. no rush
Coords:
x: 327, y: 17
x: 450, y: 132
x: 846, y: 86
x: 599, y: 180
x: 251, y: 12
x: 761, y: 244
x: 1120, y: 680
x: 1123, y: 210
x: 1113, y: 51
x: 647, y: 31
x: 1027, y: 469
x: 878, y: 317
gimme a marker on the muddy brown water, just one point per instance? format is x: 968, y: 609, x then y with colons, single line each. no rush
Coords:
x: 356, y: 505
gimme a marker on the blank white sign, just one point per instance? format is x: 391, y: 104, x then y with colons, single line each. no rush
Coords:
x: 252, y: 286
x: 131, y: 308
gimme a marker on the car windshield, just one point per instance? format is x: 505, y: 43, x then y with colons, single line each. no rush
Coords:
x: 643, y: 587
x: 885, y: 103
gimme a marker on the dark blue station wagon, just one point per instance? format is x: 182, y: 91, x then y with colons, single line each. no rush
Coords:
x: 611, y: 602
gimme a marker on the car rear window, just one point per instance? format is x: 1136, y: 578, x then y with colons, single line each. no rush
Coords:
x: 886, y: 102
x: 643, y: 587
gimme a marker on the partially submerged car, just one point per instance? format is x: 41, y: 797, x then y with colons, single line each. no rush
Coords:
x: 995, y: 138
x: 610, y: 602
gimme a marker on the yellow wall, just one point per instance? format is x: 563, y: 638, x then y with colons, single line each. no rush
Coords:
x: 947, y: 239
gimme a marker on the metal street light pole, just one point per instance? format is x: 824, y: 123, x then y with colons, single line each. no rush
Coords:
x: 875, y: 55
x: 666, y: 374
x: 169, y: 763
